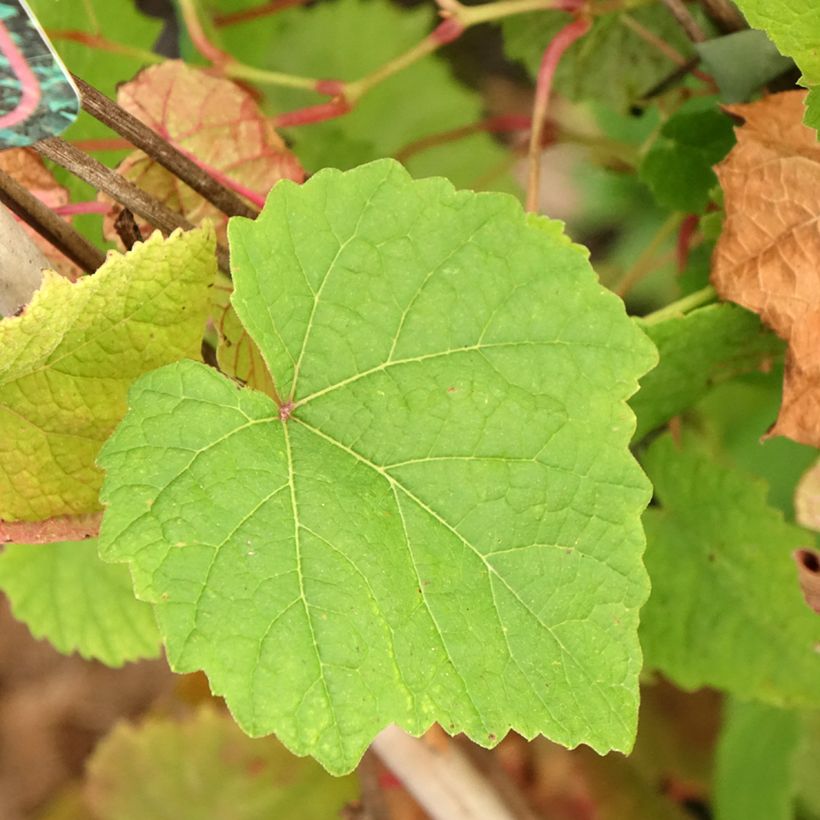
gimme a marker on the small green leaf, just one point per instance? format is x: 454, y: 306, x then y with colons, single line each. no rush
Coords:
x: 445, y: 527
x: 611, y: 63
x: 678, y: 166
x: 794, y: 26
x: 754, y: 771
x: 741, y: 62
x: 69, y: 359
x: 64, y: 593
x: 698, y: 351
x: 726, y: 609
x: 204, y: 767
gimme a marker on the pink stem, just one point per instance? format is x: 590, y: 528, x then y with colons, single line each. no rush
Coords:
x: 543, y: 88
x: 312, y: 113
x: 74, y: 208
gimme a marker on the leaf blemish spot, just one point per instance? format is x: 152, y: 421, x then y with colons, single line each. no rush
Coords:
x: 285, y: 410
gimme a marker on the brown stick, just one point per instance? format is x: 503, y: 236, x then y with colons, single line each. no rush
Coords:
x: 688, y: 23
x: 104, y: 179
x: 160, y: 150
x: 724, y: 13
x: 50, y: 226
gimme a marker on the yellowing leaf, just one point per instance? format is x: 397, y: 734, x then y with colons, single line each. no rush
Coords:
x: 766, y: 257
x: 69, y: 359
x: 205, y: 768
x: 214, y: 121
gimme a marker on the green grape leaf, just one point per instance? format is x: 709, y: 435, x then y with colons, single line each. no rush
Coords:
x: 76, y: 28
x: 204, y: 767
x: 742, y: 62
x: 69, y: 359
x: 726, y: 609
x: 794, y: 27
x: 439, y: 521
x: 754, y: 770
x: 64, y: 593
x: 611, y: 64
x: 421, y: 100
x: 735, y: 417
x: 678, y: 166
x: 697, y: 351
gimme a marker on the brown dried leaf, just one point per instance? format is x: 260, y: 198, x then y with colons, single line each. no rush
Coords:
x: 807, y: 499
x: 25, y: 166
x: 768, y: 255
x: 59, y: 528
x: 215, y: 122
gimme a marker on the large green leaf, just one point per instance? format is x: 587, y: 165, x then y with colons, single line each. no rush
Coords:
x: 66, y: 594
x: 446, y: 525
x: 697, y: 351
x: 421, y: 100
x: 204, y: 768
x: 794, y: 26
x: 69, y: 359
x: 754, y: 777
x: 726, y: 609
x: 611, y: 63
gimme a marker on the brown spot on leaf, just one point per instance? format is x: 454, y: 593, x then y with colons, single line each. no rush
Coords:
x: 767, y: 256
x: 808, y: 574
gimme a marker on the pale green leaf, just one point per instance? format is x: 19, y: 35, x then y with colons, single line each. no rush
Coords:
x: 346, y: 40
x: 698, y: 351
x: 446, y: 528
x: 611, y: 63
x: 754, y: 770
x: 69, y: 359
x: 794, y: 27
x: 204, y: 768
x: 741, y: 62
x: 64, y: 593
x: 726, y: 609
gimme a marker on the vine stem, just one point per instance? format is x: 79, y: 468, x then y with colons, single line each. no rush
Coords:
x: 699, y: 298
x: 643, y: 264
x: 49, y: 225
x: 344, y: 95
x: 543, y: 88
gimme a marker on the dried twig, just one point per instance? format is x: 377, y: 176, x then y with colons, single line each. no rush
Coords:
x: 686, y: 21
x: 161, y: 151
x: 50, y: 226
x: 724, y: 13
x: 444, y: 783
x: 104, y: 179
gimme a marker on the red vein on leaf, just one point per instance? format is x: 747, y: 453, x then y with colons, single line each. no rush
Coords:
x: 103, y: 144
x: 255, y: 13
x: 59, y: 528
x: 29, y: 85
x: 546, y: 73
